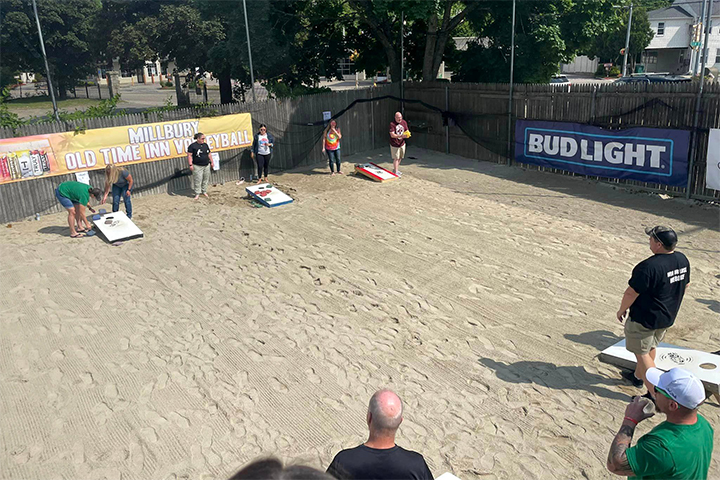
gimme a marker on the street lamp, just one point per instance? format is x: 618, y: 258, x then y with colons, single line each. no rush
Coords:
x: 47, y: 67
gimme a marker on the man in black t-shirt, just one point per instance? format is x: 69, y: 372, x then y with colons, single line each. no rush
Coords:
x: 199, y: 160
x: 654, y: 294
x: 379, y: 458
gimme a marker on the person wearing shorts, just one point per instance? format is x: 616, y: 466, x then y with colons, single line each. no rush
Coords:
x: 653, y: 297
x: 398, y: 127
x: 74, y: 196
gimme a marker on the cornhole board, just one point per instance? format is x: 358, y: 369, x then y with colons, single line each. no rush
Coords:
x: 705, y: 366
x: 116, y: 226
x: 447, y: 476
x: 375, y: 172
x: 268, y: 195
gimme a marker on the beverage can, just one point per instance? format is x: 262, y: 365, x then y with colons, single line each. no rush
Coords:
x: 13, y: 166
x: 36, y: 163
x: 23, y: 157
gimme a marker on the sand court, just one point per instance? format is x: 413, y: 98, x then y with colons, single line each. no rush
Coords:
x: 229, y: 332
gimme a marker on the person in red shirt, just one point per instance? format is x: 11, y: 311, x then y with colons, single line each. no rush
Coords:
x: 398, y: 129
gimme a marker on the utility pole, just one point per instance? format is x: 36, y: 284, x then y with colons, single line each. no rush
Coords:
x: 696, y: 119
x: 627, y: 41
x: 402, y: 62
x: 247, y: 33
x: 47, y: 67
x: 510, y: 97
x: 699, y: 52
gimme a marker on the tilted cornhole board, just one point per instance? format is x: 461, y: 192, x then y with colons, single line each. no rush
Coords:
x: 705, y: 366
x: 268, y: 195
x: 116, y: 226
x: 375, y: 172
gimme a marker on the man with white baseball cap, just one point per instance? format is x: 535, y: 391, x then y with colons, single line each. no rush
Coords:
x: 678, y: 448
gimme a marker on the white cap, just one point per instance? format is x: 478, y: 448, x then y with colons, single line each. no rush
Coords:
x: 682, y: 386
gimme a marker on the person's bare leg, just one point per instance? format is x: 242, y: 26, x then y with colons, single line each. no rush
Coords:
x: 71, y: 221
x: 396, y: 165
x: 644, y: 362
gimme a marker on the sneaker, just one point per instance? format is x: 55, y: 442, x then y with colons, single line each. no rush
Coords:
x: 630, y: 376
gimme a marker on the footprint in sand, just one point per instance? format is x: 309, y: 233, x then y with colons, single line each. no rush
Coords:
x: 137, y: 458
x: 102, y: 413
x: 179, y: 420
x: 111, y: 391
x: 149, y: 435
x: 278, y: 386
x: 312, y: 377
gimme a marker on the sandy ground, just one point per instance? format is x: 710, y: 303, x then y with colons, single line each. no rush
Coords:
x: 481, y: 294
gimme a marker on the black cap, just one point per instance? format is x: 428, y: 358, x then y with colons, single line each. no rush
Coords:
x: 664, y: 235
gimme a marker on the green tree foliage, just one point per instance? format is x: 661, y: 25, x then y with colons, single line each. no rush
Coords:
x: 67, y: 29
x: 607, y: 47
x: 547, y: 33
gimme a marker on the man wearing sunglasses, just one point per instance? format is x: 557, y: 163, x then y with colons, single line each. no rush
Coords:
x: 678, y: 448
x: 653, y: 296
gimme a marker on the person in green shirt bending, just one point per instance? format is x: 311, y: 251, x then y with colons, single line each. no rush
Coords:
x: 678, y: 448
x: 74, y: 196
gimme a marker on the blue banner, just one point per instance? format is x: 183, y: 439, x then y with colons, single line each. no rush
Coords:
x: 652, y: 155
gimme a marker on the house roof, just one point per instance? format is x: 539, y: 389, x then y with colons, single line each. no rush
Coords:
x: 682, y: 9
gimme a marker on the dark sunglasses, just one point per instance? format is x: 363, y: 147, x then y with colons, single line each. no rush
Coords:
x: 660, y: 390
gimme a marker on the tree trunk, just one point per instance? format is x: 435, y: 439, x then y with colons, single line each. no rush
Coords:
x: 226, y: 94
x: 431, y: 44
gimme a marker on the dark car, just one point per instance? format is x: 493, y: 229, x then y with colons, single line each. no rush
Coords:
x: 651, y: 79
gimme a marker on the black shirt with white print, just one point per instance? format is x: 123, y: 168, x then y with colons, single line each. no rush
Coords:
x: 200, y: 153
x: 660, y: 280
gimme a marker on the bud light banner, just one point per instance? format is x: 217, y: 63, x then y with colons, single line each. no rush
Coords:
x: 651, y: 155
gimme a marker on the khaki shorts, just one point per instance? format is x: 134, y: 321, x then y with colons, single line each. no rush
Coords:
x: 397, y: 152
x: 640, y: 340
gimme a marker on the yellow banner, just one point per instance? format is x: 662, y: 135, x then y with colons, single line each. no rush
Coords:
x: 26, y: 158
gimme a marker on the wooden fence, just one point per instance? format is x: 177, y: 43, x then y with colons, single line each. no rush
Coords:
x: 483, y: 108
x: 297, y: 144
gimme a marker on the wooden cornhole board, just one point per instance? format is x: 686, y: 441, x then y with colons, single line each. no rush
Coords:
x: 268, y: 195
x: 116, y: 226
x: 705, y: 366
x: 375, y: 172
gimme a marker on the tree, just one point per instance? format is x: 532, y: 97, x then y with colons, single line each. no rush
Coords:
x: 547, y: 33
x: 434, y: 20
x: 67, y: 29
x: 607, y: 47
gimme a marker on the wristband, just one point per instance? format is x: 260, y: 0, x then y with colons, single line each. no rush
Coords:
x: 632, y: 420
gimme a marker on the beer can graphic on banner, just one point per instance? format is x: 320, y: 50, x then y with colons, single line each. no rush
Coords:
x: 26, y: 169
x: 14, y: 166
x: 35, y: 160
x: 43, y: 147
x: 4, y: 167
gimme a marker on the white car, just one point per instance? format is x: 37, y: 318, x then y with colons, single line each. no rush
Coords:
x: 559, y: 80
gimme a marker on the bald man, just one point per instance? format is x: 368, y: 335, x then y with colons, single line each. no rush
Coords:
x: 379, y: 458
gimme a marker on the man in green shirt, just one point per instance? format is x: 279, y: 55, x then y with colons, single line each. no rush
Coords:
x: 678, y: 448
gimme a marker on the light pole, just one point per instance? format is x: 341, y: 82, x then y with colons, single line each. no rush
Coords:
x: 247, y: 33
x: 47, y: 67
x: 510, y: 97
x: 627, y: 41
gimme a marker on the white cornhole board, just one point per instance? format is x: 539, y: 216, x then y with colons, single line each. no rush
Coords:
x: 375, y: 172
x: 120, y: 227
x: 273, y: 197
x: 447, y: 476
x: 705, y: 366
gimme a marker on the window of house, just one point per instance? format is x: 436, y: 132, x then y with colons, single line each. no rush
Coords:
x: 651, y: 57
x: 661, y: 28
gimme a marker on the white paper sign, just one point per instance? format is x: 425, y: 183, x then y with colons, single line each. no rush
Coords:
x: 83, y: 177
x: 327, y: 116
x: 712, y: 175
x: 215, y: 157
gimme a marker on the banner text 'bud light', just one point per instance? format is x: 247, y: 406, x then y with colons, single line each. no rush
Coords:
x: 651, y: 155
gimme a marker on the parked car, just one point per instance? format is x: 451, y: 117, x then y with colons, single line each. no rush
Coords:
x: 381, y: 77
x: 650, y: 78
x: 559, y: 80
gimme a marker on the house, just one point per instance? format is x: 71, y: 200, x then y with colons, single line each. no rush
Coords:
x: 671, y: 48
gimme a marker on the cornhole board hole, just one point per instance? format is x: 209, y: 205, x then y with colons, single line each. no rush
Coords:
x: 116, y: 227
x: 705, y: 366
x: 375, y: 172
x: 268, y: 195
